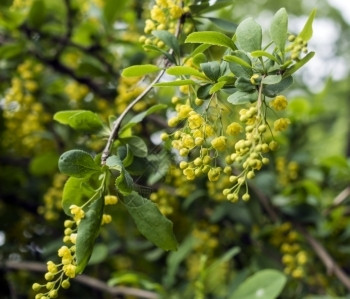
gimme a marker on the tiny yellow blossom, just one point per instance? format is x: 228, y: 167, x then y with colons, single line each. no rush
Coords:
x: 234, y: 129
x: 279, y: 103
x: 195, y: 121
x: 281, y: 124
x: 111, y: 200
x: 69, y: 270
x: 219, y: 143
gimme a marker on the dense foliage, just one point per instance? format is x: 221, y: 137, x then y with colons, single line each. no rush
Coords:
x: 168, y: 149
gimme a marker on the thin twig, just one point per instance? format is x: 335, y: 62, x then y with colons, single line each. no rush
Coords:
x: 338, y: 200
x: 84, y: 279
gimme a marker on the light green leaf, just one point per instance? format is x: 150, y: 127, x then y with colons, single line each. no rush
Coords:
x: 176, y: 83
x: 79, y: 120
x: 77, y: 163
x: 198, y: 59
x: 99, y: 254
x: 151, y: 222
x: 279, y: 28
x: 206, y: 7
x: 236, y: 59
x: 223, y: 24
x: 211, y: 69
x: 10, y: 50
x: 260, y: 53
x: 306, y: 32
x: 211, y: 38
x: 44, y: 164
x: 249, y: 35
x: 156, y: 49
x: 112, y: 9
x: 241, y: 97
x: 139, y: 70
x: 265, y: 284
x: 271, y: 79
x: 299, y: 64
x: 216, y: 87
x: 199, y: 50
x: 75, y: 192
x: 185, y: 70
x: 88, y: 230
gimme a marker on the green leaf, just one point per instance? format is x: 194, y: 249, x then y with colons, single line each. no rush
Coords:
x: 216, y: 87
x: 203, y: 92
x: 260, y: 53
x: 176, y: 83
x: 223, y: 24
x: 137, y: 146
x: 265, y: 284
x: 169, y: 39
x: 75, y: 192
x: 241, y: 97
x: 271, y: 79
x: 306, y: 32
x: 299, y: 64
x: 198, y: 59
x: 124, y: 182
x: 275, y: 89
x: 199, y: 50
x: 79, y: 120
x: 99, y: 254
x: 244, y: 84
x: 77, y: 163
x: 139, y: 70
x: 112, y: 9
x: 206, y: 7
x: 238, y: 69
x: 151, y: 222
x: 165, y: 53
x: 37, y: 14
x: 44, y: 164
x: 279, y: 28
x: 249, y: 35
x: 236, y: 59
x: 11, y: 50
x: 211, y: 69
x: 88, y: 230
x: 185, y: 70
x: 211, y: 38
x: 139, y: 117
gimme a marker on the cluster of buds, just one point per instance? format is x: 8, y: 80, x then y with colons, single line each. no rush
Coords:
x: 297, y: 46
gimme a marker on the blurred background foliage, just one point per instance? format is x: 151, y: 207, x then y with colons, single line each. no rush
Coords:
x: 68, y: 54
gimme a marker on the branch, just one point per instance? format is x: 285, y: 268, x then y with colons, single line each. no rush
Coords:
x: 325, y: 257
x: 338, y: 200
x: 85, y: 280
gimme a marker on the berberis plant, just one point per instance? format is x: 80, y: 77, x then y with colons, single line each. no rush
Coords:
x: 228, y: 118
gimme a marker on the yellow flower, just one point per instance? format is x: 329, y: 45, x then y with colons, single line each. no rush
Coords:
x: 279, y: 103
x: 69, y: 270
x: 219, y: 143
x: 234, y: 129
x: 281, y: 124
x: 195, y: 121
x: 111, y: 200
x: 77, y: 212
x: 184, y: 111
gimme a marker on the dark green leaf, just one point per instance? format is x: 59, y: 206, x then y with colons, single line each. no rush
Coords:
x: 137, y: 146
x: 279, y: 29
x: 238, y: 69
x: 99, y: 254
x: 11, y: 50
x: 275, y: 89
x: 211, y: 69
x: 244, y: 84
x: 112, y: 9
x: 151, y: 222
x: 77, y: 163
x: 169, y: 39
x: 267, y: 284
x: 156, y: 49
x: 206, y: 7
x: 203, y: 91
x: 79, y: 120
x: 241, y: 97
x: 124, y: 182
x: 139, y: 70
x: 238, y: 60
x: 249, y: 35
x: 88, y: 230
x: 211, y: 38
x: 37, y: 14
x: 223, y: 24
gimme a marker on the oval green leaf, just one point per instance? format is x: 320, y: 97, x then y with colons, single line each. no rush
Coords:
x: 211, y: 38
x: 249, y: 35
x: 151, y: 222
x: 84, y: 120
x: 279, y: 28
x: 241, y: 97
x: 77, y: 163
x: 185, y: 70
x: 265, y: 284
x: 140, y: 70
x: 306, y: 32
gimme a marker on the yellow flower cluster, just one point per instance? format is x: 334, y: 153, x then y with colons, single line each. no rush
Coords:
x: 297, y: 46
x: 58, y: 275
x: 287, y: 171
x: 163, y: 16
x: 294, y: 258
x: 127, y: 91
x: 25, y: 117
x: 165, y: 200
x: 109, y: 200
x: 76, y: 92
x: 52, y: 198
